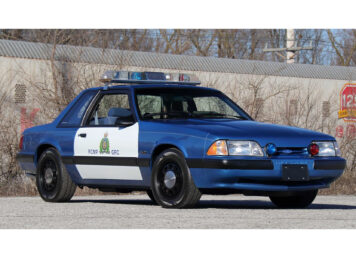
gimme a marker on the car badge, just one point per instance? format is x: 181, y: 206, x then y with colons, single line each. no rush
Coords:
x: 104, y: 144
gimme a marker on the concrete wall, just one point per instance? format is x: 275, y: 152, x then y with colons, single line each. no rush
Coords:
x: 285, y: 100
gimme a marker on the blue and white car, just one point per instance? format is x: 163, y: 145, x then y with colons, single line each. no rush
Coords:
x: 163, y: 134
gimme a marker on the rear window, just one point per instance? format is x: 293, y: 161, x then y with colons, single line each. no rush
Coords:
x: 75, y: 115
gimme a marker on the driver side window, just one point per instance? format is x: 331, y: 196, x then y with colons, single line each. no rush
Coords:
x: 111, y: 110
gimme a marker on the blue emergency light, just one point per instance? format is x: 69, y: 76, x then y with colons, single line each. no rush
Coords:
x: 271, y: 149
x: 148, y: 78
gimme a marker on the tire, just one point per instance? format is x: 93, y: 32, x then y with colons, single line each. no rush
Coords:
x: 150, y: 194
x: 299, y: 200
x: 171, y: 182
x: 52, y: 179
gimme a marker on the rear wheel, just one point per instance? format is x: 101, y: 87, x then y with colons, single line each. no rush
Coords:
x: 172, y: 185
x: 53, y: 181
x: 299, y: 200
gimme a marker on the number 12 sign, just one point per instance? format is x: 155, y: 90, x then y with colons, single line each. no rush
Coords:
x: 348, y: 102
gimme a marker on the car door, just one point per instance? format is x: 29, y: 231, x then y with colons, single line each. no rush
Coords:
x: 106, y: 146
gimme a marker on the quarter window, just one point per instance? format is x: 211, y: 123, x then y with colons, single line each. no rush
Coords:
x: 75, y: 115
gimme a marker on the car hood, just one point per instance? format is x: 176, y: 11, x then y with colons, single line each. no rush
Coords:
x: 263, y: 133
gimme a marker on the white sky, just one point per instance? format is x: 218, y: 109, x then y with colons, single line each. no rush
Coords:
x: 177, y: 14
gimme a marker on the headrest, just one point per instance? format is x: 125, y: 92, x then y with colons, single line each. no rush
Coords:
x: 119, y: 112
x: 177, y: 106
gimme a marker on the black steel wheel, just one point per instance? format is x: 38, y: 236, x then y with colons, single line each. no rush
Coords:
x: 53, y: 181
x: 48, y: 175
x: 296, y: 200
x: 171, y: 183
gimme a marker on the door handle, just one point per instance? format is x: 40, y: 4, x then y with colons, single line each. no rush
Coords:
x: 82, y: 135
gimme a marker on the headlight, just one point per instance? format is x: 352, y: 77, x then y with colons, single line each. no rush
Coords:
x: 235, y: 148
x: 327, y: 149
x: 244, y: 148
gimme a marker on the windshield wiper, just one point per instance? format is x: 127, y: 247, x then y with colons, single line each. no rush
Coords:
x: 169, y: 114
x: 213, y: 114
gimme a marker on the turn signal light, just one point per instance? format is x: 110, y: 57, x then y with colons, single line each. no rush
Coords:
x: 218, y: 148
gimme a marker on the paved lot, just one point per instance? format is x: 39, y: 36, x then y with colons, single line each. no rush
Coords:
x: 137, y: 211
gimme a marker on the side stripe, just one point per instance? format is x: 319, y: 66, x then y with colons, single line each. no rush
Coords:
x: 106, y: 161
x: 192, y: 163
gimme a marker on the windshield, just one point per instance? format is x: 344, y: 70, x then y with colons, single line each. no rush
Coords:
x: 186, y: 103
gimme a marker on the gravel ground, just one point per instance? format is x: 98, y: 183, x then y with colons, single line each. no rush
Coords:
x: 137, y: 211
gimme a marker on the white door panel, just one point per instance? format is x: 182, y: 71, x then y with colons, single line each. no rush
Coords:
x: 109, y: 172
x: 107, y: 142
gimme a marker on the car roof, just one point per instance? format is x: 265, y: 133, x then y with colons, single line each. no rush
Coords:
x: 154, y: 85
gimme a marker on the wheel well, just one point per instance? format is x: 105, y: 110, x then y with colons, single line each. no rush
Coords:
x: 161, y: 148
x: 41, y: 149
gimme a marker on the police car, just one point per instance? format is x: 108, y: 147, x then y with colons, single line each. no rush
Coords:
x: 163, y: 134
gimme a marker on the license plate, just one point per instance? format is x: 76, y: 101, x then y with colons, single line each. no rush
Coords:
x: 295, y: 172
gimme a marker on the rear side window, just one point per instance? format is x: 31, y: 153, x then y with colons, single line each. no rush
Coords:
x: 76, y: 113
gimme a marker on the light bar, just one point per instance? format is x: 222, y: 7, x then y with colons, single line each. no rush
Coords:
x: 148, y: 77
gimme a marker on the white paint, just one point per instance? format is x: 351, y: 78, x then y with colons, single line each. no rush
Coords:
x: 109, y: 172
x: 125, y: 140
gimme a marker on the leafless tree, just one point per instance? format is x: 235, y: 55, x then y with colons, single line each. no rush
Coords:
x: 344, y: 48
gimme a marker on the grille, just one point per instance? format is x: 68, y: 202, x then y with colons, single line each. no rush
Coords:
x: 290, y: 151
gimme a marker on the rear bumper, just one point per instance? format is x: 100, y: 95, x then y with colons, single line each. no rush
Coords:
x: 26, y: 162
x: 264, y: 174
x: 24, y: 158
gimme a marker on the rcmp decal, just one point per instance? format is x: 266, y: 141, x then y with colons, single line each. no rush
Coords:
x: 104, y: 147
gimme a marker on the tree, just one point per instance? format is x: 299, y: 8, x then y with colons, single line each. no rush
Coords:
x: 345, y: 47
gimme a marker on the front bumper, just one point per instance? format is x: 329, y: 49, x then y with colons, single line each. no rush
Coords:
x: 263, y: 174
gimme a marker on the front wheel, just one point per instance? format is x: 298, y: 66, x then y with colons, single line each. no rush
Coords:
x: 298, y: 200
x: 171, y: 183
x: 150, y: 194
x: 53, y: 181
